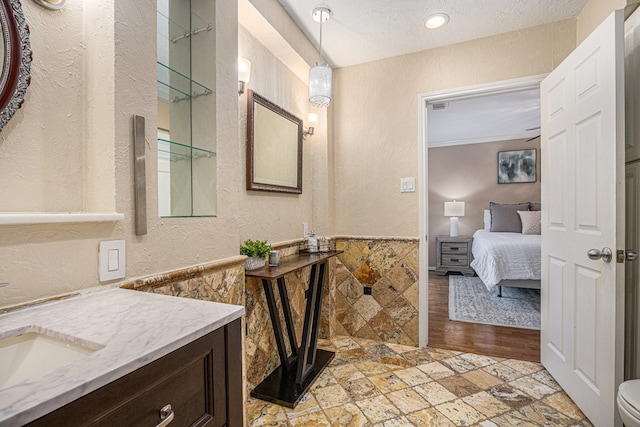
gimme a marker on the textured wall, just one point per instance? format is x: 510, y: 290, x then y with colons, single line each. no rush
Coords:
x: 375, y: 118
x: 272, y: 215
x: 41, y: 149
x: 470, y: 173
x: 68, y: 159
x: 390, y: 268
x: 594, y: 12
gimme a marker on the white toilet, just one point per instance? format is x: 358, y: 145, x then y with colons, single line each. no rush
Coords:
x: 629, y: 403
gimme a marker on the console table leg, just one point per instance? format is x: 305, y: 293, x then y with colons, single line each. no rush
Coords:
x: 286, y: 309
x: 275, y: 322
x: 316, y: 316
x: 307, y: 353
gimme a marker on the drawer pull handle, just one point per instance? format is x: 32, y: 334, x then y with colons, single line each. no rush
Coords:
x: 166, y: 415
x: 455, y: 249
x: 454, y: 260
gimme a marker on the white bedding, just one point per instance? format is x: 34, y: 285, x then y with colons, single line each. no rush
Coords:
x: 498, y: 256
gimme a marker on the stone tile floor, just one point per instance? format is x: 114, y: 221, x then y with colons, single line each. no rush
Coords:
x: 371, y: 383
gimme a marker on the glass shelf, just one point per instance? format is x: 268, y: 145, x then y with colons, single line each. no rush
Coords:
x: 174, y: 86
x: 174, y: 31
x: 187, y: 173
x: 177, y: 151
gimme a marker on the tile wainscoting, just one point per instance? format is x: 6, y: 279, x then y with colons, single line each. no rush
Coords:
x: 224, y: 281
x: 390, y: 267
x: 218, y: 281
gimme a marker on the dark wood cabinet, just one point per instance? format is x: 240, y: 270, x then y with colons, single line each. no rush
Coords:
x: 202, y: 382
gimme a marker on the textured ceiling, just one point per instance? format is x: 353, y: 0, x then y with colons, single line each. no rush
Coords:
x: 367, y: 30
x: 498, y: 117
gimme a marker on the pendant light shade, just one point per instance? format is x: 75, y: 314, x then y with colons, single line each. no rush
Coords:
x: 320, y: 73
x: 320, y: 85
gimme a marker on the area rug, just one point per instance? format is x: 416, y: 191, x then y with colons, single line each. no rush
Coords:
x: 469, y: 301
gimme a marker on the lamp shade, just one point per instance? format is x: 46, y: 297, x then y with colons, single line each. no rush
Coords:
x: 320, y: 85
x: 454, y: 208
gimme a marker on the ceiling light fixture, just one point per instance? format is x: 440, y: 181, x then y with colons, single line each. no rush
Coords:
x: 320, y: 73
x: 436, y: 20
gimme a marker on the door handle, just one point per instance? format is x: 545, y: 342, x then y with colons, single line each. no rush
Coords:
x: 596, y: 254
x: 630, y: 255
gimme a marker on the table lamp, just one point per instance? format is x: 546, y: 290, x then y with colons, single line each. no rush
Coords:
x: 454, y: 210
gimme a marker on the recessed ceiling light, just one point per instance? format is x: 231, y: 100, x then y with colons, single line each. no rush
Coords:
x: 436, y: 20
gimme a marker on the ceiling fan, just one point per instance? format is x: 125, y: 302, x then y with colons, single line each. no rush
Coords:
x: 535, y: 137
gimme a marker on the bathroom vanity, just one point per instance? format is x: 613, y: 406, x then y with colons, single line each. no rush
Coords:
x: 143, y: 359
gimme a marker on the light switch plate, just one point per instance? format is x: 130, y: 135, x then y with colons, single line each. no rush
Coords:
x: 407, y: 185
x: 111, y: 260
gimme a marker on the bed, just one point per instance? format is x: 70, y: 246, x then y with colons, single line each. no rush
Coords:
x: 507, y: 259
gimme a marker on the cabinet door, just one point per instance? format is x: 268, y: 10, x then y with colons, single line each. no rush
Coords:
x: 189, y: 388
x: 191, y: 379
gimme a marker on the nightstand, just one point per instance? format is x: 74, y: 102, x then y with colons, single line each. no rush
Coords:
x: 454, y: 254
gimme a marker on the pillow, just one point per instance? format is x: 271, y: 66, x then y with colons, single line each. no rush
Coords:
x: 487, y: 219
x: 505, y: 217
x: 530, y: 222
x: 535, y: 206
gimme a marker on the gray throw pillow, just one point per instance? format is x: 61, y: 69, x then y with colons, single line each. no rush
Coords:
x: 505, y: 218
x: 535, y: 206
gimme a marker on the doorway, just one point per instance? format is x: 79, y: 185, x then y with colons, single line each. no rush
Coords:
x: 437, y: 297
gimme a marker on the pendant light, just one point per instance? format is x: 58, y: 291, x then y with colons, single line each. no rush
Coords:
x: 320, y: 73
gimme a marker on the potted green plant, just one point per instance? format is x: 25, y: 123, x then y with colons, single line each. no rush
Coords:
x: 257, y: 251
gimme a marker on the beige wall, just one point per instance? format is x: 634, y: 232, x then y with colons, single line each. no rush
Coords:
x: 271, y: 215
x: 42, y: 147
x: 470, y: 173
x: 65, y: 159
x: 77, y: 156
x: 375, y: 118
x: 594, y: 12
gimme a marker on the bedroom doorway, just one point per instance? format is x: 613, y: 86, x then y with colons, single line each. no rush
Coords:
x: 433, y: 288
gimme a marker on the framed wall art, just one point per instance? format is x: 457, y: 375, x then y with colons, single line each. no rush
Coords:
x: 516, y: 167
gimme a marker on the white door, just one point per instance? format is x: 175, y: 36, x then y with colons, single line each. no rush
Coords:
x: 582, y: 307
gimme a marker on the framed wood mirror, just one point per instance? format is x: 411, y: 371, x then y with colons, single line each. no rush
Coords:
x: 16, y: 59
x: 274, y: 147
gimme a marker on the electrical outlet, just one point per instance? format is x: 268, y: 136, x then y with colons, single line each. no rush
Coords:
x: 305, y: 229
x: 367, y: 290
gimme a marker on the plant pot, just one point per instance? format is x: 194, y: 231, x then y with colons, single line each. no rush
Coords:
x: 253, y: 263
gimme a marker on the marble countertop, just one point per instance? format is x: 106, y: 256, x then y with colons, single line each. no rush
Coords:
x: 129, y: 328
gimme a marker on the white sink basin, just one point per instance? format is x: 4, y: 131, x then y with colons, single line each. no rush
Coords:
x: 33, y: 352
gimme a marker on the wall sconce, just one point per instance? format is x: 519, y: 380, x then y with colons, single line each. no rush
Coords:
x: 51, y: 4
x: 454, y: 210
x: 244, y: 74
x: 312, y: 121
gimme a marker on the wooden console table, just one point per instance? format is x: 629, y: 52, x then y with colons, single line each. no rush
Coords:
x: 298, y: 369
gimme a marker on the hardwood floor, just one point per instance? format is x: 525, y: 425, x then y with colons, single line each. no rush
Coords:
x: 489, y: 340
